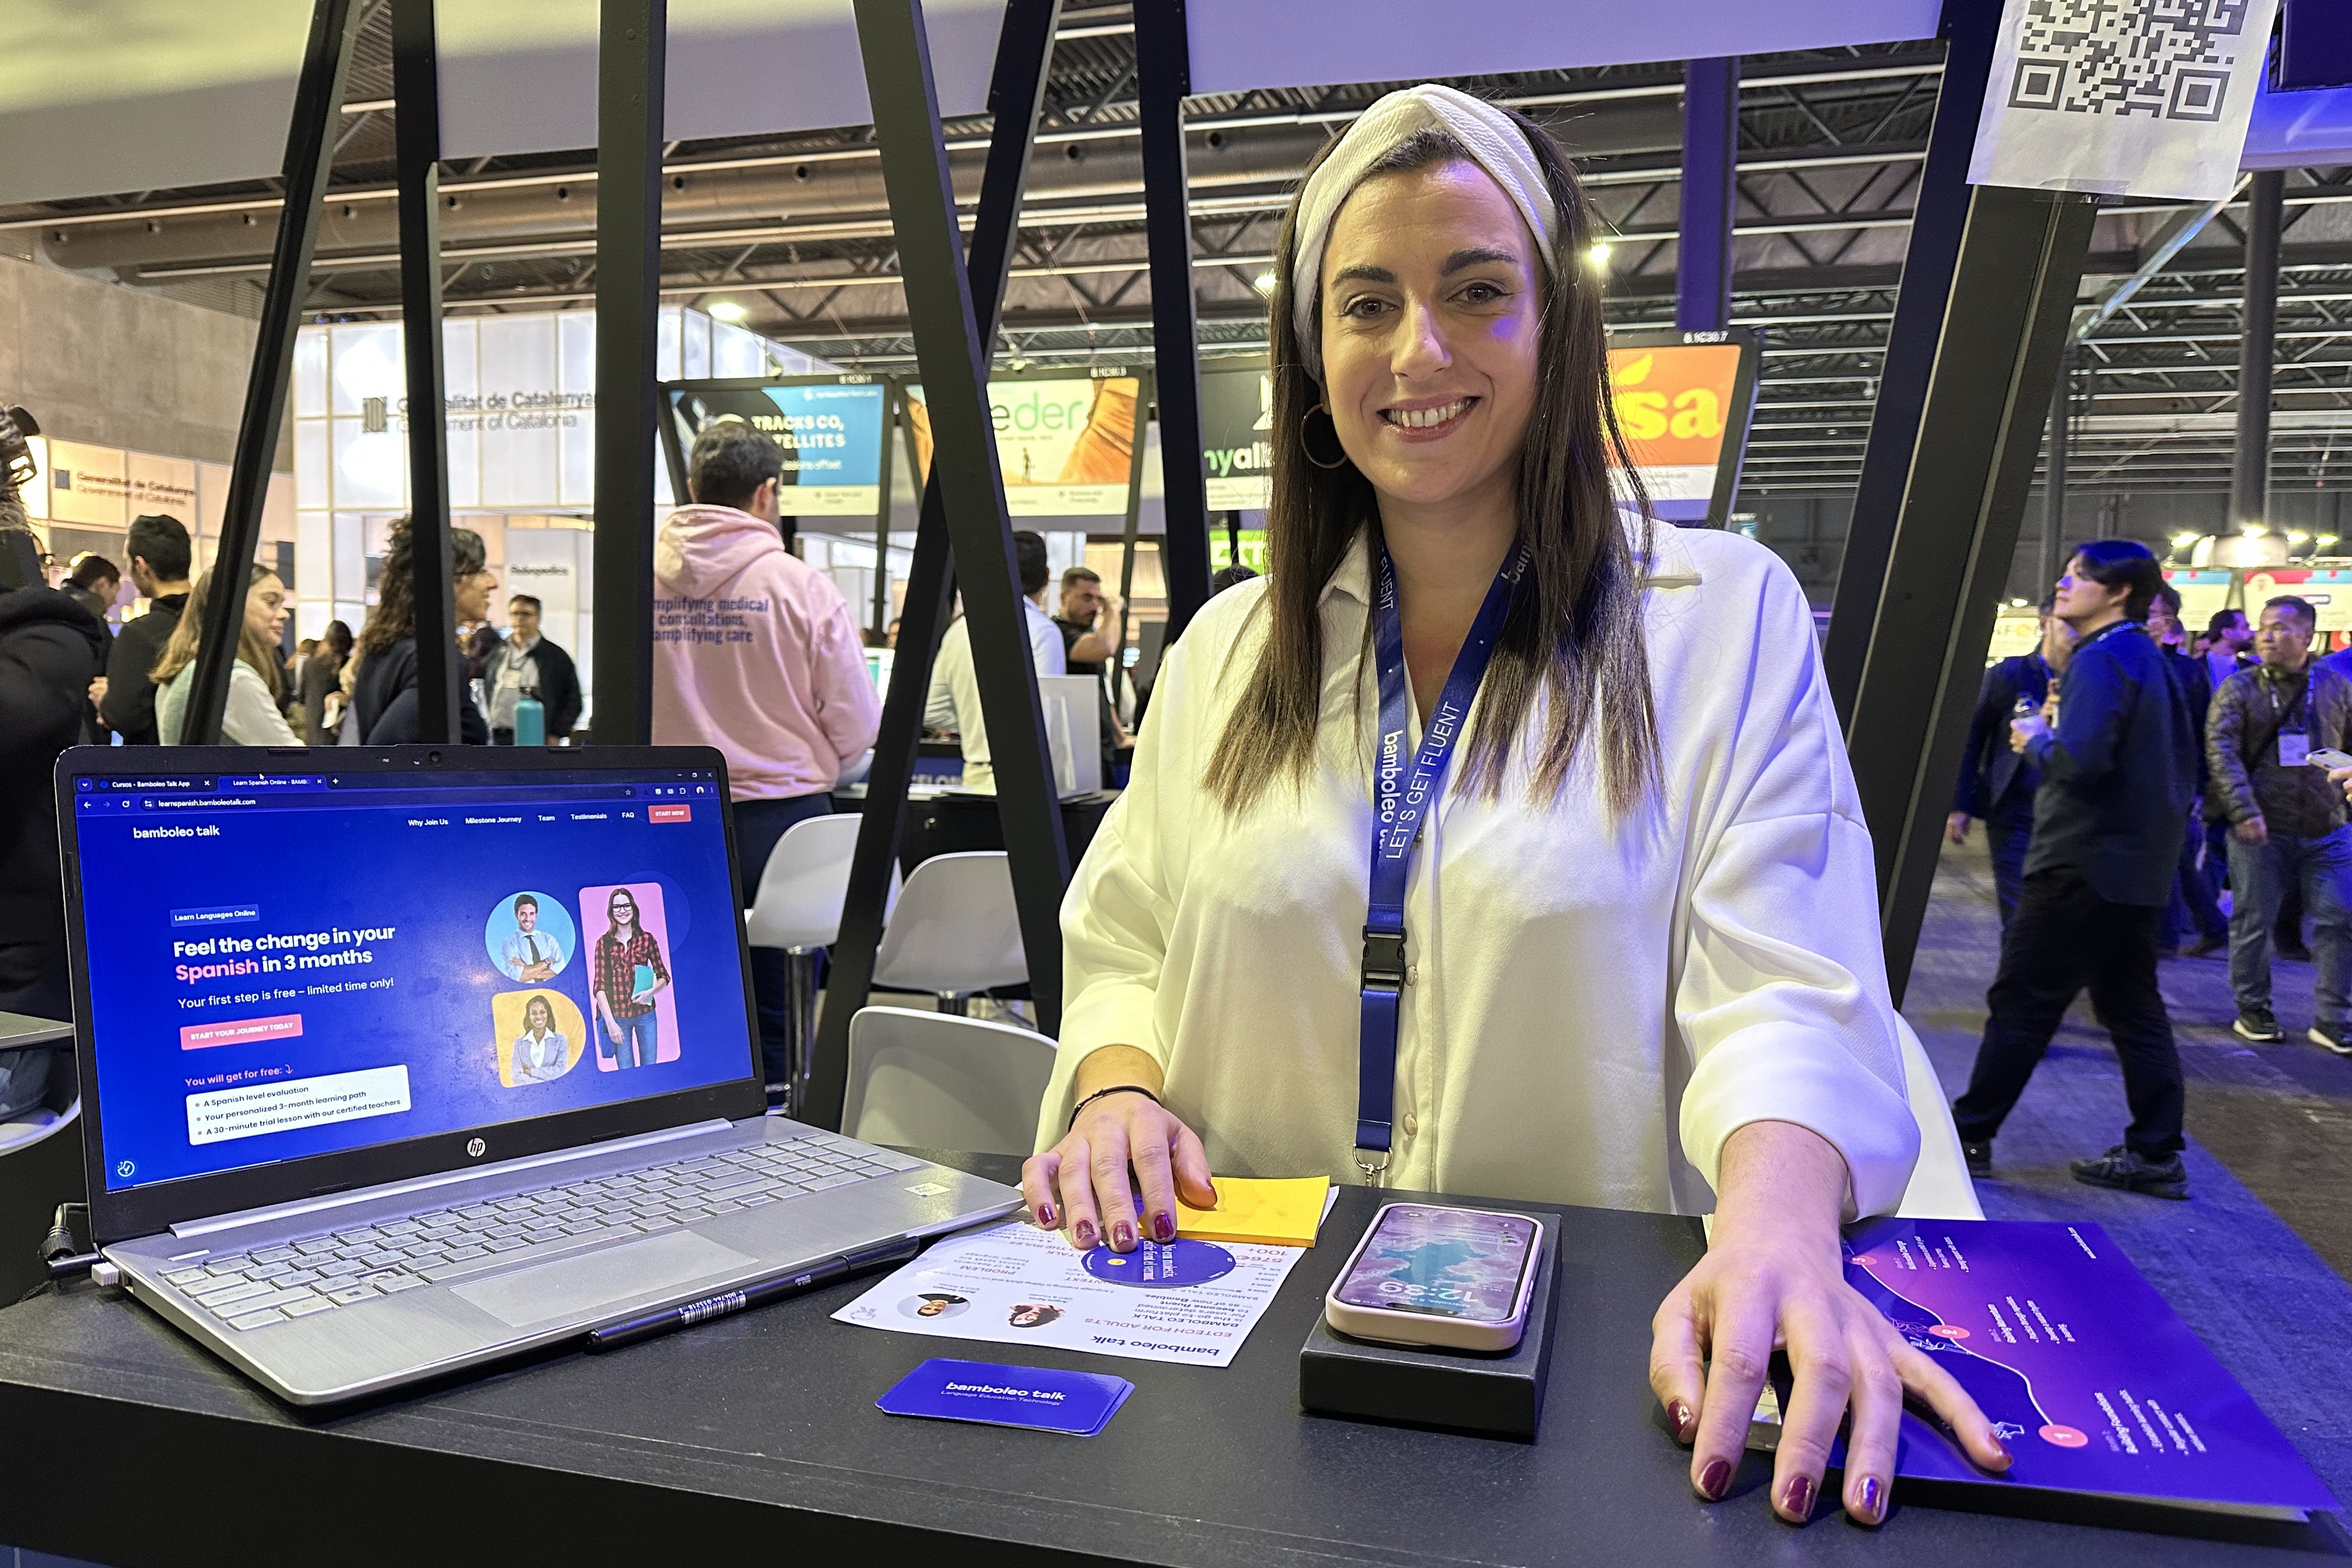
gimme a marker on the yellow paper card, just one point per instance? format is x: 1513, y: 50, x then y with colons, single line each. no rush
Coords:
x: 1283, y: 1213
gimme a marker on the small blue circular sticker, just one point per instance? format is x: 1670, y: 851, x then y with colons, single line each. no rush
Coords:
x: 1152, y: 1267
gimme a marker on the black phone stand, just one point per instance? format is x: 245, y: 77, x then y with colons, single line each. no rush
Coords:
x: 1489, y: 1394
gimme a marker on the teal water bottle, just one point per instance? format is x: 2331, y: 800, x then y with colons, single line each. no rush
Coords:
x: 530, y: 719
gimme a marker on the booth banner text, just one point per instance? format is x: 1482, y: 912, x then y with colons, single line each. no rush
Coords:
x: 1672, y: 403
x: 2141, y: 98
x: 830, y: 433
x: 1064, y: 444
x: 1237, y: 436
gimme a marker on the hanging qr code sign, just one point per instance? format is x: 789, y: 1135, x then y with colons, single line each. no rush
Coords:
x: 2142, y: 98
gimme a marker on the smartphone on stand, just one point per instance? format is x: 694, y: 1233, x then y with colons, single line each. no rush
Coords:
x: 1424, y: 1274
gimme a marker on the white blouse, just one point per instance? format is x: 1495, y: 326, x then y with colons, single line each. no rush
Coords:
x: 1592, y: 1005
x: 251, y: 718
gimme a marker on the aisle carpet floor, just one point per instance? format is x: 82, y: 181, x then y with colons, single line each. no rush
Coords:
x: 2257, y: 1260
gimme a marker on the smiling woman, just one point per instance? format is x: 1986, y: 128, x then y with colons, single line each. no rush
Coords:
x: 1628, y: 956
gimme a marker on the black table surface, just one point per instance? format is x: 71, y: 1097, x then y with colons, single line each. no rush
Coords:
x: 122, y: 1442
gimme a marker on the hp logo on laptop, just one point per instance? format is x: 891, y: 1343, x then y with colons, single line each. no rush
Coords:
x: 476, y: 1148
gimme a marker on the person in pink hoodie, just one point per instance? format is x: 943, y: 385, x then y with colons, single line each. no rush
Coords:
x: 755, y: 652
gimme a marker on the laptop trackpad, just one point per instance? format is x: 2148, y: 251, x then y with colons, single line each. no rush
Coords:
x: 577, y: 1287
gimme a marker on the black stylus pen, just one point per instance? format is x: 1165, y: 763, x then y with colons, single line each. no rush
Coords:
x: 775, y: 1288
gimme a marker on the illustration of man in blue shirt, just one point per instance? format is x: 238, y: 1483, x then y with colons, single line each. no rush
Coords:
x: 530, y: 954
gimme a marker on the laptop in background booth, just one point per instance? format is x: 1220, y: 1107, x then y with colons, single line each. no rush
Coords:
x: 399, y: 1061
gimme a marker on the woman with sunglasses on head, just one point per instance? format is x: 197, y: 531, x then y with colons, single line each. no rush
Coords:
x: 1623, y: 951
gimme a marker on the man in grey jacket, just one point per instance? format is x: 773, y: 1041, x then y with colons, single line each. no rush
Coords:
x: 2286, y: 823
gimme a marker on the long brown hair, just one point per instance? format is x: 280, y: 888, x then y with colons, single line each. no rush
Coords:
x: 1574, y: 632
x: 394, y: 616
x: 252, y: 647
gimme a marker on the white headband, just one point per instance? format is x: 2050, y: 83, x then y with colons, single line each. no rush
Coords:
x: 1490, y: 136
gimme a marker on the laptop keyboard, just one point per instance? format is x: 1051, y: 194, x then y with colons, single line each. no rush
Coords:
x: 317, y: 1274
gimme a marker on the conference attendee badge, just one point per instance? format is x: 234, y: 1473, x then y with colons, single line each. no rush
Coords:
x: 1076, y: 1404
x: 2295, y: 748
x: 1153, y: 1267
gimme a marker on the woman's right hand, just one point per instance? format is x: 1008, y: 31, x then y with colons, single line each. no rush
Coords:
x: 1082, y: 1184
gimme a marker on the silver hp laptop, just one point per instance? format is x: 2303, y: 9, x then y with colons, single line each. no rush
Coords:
x: 400, y: 1061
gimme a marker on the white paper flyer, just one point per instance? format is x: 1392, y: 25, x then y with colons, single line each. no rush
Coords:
x: 1191, y: 1302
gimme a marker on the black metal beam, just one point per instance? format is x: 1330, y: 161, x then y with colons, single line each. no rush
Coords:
x: 633, y: 46
x: 309, y: 156
x: 1163, y: 77
x: 1016, y: 93
x: 2249, y: 477
x: 1703, y: 253
x: 2054, y: 467
x: 892, y: 397
x: 416, y: 134
x: 2021, y: 261
x: 1939, y: 212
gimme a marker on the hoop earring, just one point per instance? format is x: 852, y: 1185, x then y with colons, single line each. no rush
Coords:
x: 1307, y: 447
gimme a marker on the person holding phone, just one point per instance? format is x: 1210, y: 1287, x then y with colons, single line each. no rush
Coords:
x: 629, y: 974
x: 1623, y: 951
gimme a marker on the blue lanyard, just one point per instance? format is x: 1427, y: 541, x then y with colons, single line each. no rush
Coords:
x: 1401, y: 797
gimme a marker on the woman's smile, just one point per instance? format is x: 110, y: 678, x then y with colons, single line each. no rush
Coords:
x: 1428, y: 419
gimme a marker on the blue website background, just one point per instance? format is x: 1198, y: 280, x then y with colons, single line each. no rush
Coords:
x: 837, y: 433
x: 360, y: 1001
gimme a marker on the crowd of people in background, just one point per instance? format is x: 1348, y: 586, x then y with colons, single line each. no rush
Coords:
x: 2127, y: 775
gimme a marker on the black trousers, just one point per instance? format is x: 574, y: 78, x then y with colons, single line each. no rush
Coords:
x: 2065, y: 938
x: 759, y: 824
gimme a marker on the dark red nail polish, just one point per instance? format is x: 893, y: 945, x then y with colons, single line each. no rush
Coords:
x: 1044, y: 1217
x: 1083, y: 1233
x: 1122, y: 1236
x: 1714, y: 1479
x: 1874, y: 1499
x: 1798, y: 1500
x: 1163, y: 1228
x: 1679, y: 1414
x: 2006, y: 1456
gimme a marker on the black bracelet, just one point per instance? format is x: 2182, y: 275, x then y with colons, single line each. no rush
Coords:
x: 1114, y: 1088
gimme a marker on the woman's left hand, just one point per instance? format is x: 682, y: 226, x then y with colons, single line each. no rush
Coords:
x: 1773, y: 1278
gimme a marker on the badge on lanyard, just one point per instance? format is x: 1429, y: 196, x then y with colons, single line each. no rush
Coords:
x: 1403, y: 792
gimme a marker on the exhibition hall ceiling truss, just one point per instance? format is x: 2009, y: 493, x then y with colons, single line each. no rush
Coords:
x: 794, y: 231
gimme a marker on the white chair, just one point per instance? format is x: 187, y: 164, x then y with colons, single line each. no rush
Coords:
x: 931, y: 1080
x: 797, y: 908
x: 955, y: 932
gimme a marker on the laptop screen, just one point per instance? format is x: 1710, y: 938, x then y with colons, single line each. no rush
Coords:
x: 290, y: 963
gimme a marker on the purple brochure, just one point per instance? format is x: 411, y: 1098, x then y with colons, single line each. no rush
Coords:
x: 2091, y: 1380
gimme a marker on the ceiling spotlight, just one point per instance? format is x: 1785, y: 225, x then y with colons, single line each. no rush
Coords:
x: 1263, y: 283
x: 2183, y: 540
x: 2325, y: 540
x: 1598, y: 256
x: 729, y: 310
x: 2252, y: 530
x: 2296, y: 536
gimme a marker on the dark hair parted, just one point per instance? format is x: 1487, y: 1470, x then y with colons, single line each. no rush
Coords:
x: 731, y: 460
x: 2124, y: 563
x: 394, y: 616
x: 1029, y: 559
x: 1573, y: 639
x: 160, y: 540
